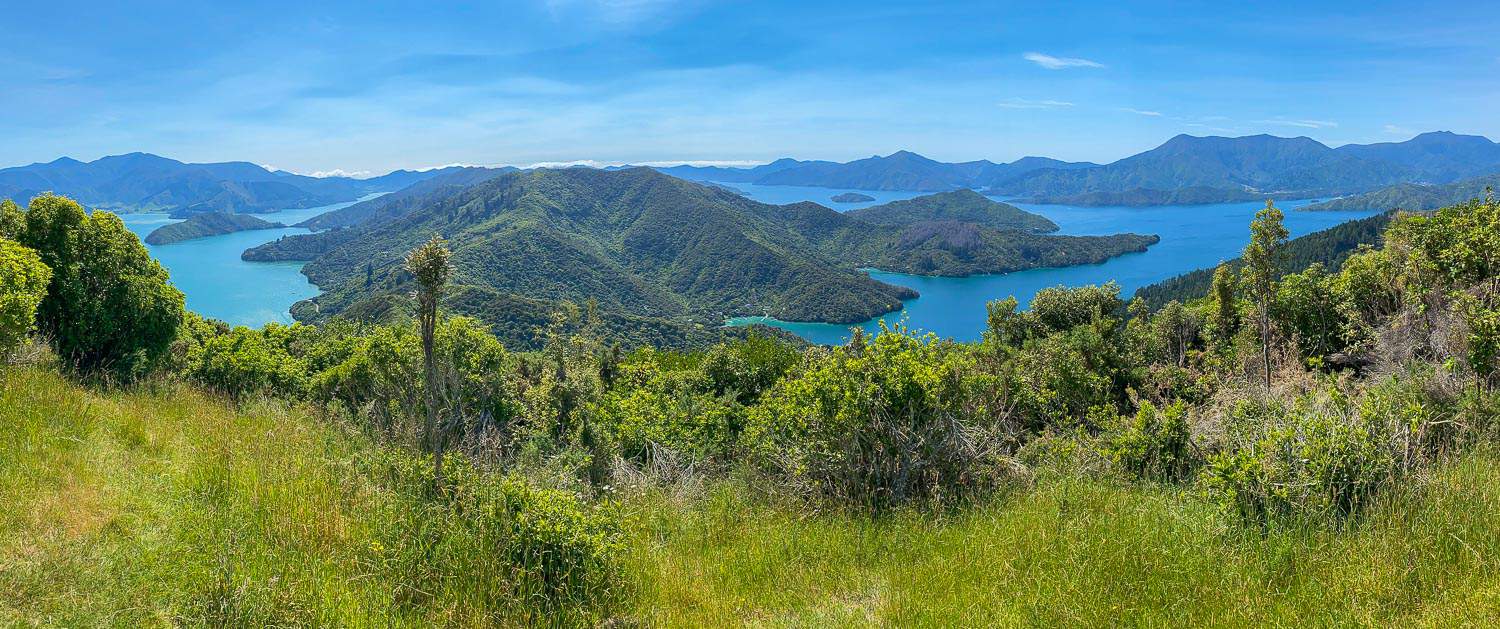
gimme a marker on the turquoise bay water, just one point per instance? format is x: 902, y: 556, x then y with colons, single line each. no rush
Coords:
x: 1192, y: 237
x: 218, y: 284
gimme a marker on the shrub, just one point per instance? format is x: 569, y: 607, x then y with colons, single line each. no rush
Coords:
x: 245, y: 361
x: 23, y: 285
x: 1155, y: 444
x: 109, y: 308
x: 1326, y: 456
x: 378, y: 374
x: 674, y: 409
x: 1308, y: 306
x: 880, y: 422
x: 503, y: 548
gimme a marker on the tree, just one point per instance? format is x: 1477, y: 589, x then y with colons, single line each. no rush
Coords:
x: 1224, y: 317
x: 429, y: 265
x: 23, y: 284
x: 1267, y: 236
x: 11, y: 219
x: 110, y: 308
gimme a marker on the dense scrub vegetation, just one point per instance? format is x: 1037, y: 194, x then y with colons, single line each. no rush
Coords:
x: 1318, y: 444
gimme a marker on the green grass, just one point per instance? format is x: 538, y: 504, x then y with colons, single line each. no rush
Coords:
x: 1072, y: 553
x: 161, y: 507
x: 168, y: 507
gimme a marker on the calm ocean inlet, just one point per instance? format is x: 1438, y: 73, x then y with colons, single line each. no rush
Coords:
x: 220, y: 285
x: 1192, y: 237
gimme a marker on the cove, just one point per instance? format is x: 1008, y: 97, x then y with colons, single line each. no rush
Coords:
x: 1192, y: 237
x: 218, y: 284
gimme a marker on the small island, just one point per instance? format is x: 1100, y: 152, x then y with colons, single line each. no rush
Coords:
x: 204, y: 225
x: 852, y: 197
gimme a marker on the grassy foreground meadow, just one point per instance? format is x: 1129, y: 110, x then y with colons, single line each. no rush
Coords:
x: 161, y: 505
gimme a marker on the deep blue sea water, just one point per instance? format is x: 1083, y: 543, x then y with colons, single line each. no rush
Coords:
x: 1192, y: 237
x: 218, y: 284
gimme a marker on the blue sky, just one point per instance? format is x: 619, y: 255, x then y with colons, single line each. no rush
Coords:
x: 371, y: 86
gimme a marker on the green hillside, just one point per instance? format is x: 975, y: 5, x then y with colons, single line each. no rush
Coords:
x: 642, y: 244
x: 1413, y: 197
x: 1142, y: 197
x: 965, y: 206
x: 204, y: 225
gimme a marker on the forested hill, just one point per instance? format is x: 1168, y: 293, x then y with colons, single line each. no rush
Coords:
x: 645, y: 244
x: 1329, y: 247
x: 391, y: 206
x: 965, y: 206
x: 1413, y: 197
x: 1144, y: 197
x: 203, y: 225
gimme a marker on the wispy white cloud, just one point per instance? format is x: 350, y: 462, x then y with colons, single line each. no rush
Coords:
x: 1397, y: 130
x: 1305, y: 124
x: 1060, y: 63
x: 1026, y: 103
x: 1143, y: 112
x: 339, y: 172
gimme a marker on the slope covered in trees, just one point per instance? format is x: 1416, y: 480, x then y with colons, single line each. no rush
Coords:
x: 204, y: 225
x: 964, y: 206
x: 1329, y: 247
x: 641, y: 243
x: 1413, y: 197
x: 1142, y: 197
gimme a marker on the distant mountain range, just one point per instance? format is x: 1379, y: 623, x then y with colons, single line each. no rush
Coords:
x: 1184, y: 170
x: 902, y: 170
x: 670, y: 253
x: 146, y: 182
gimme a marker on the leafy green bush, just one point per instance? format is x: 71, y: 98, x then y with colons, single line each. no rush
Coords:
x: 109, y: 307
x: 245, y: 361
x: 880, y: 422
x: 1308, y: 307
x: 496, y: 543
x: 23, y: 285
x: 376, y: 373
x: 1327, y: 455
x: 1155, y: 444
x: 674, y: 409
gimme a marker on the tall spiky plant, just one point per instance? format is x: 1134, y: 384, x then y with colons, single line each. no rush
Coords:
x: 429, y: 264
